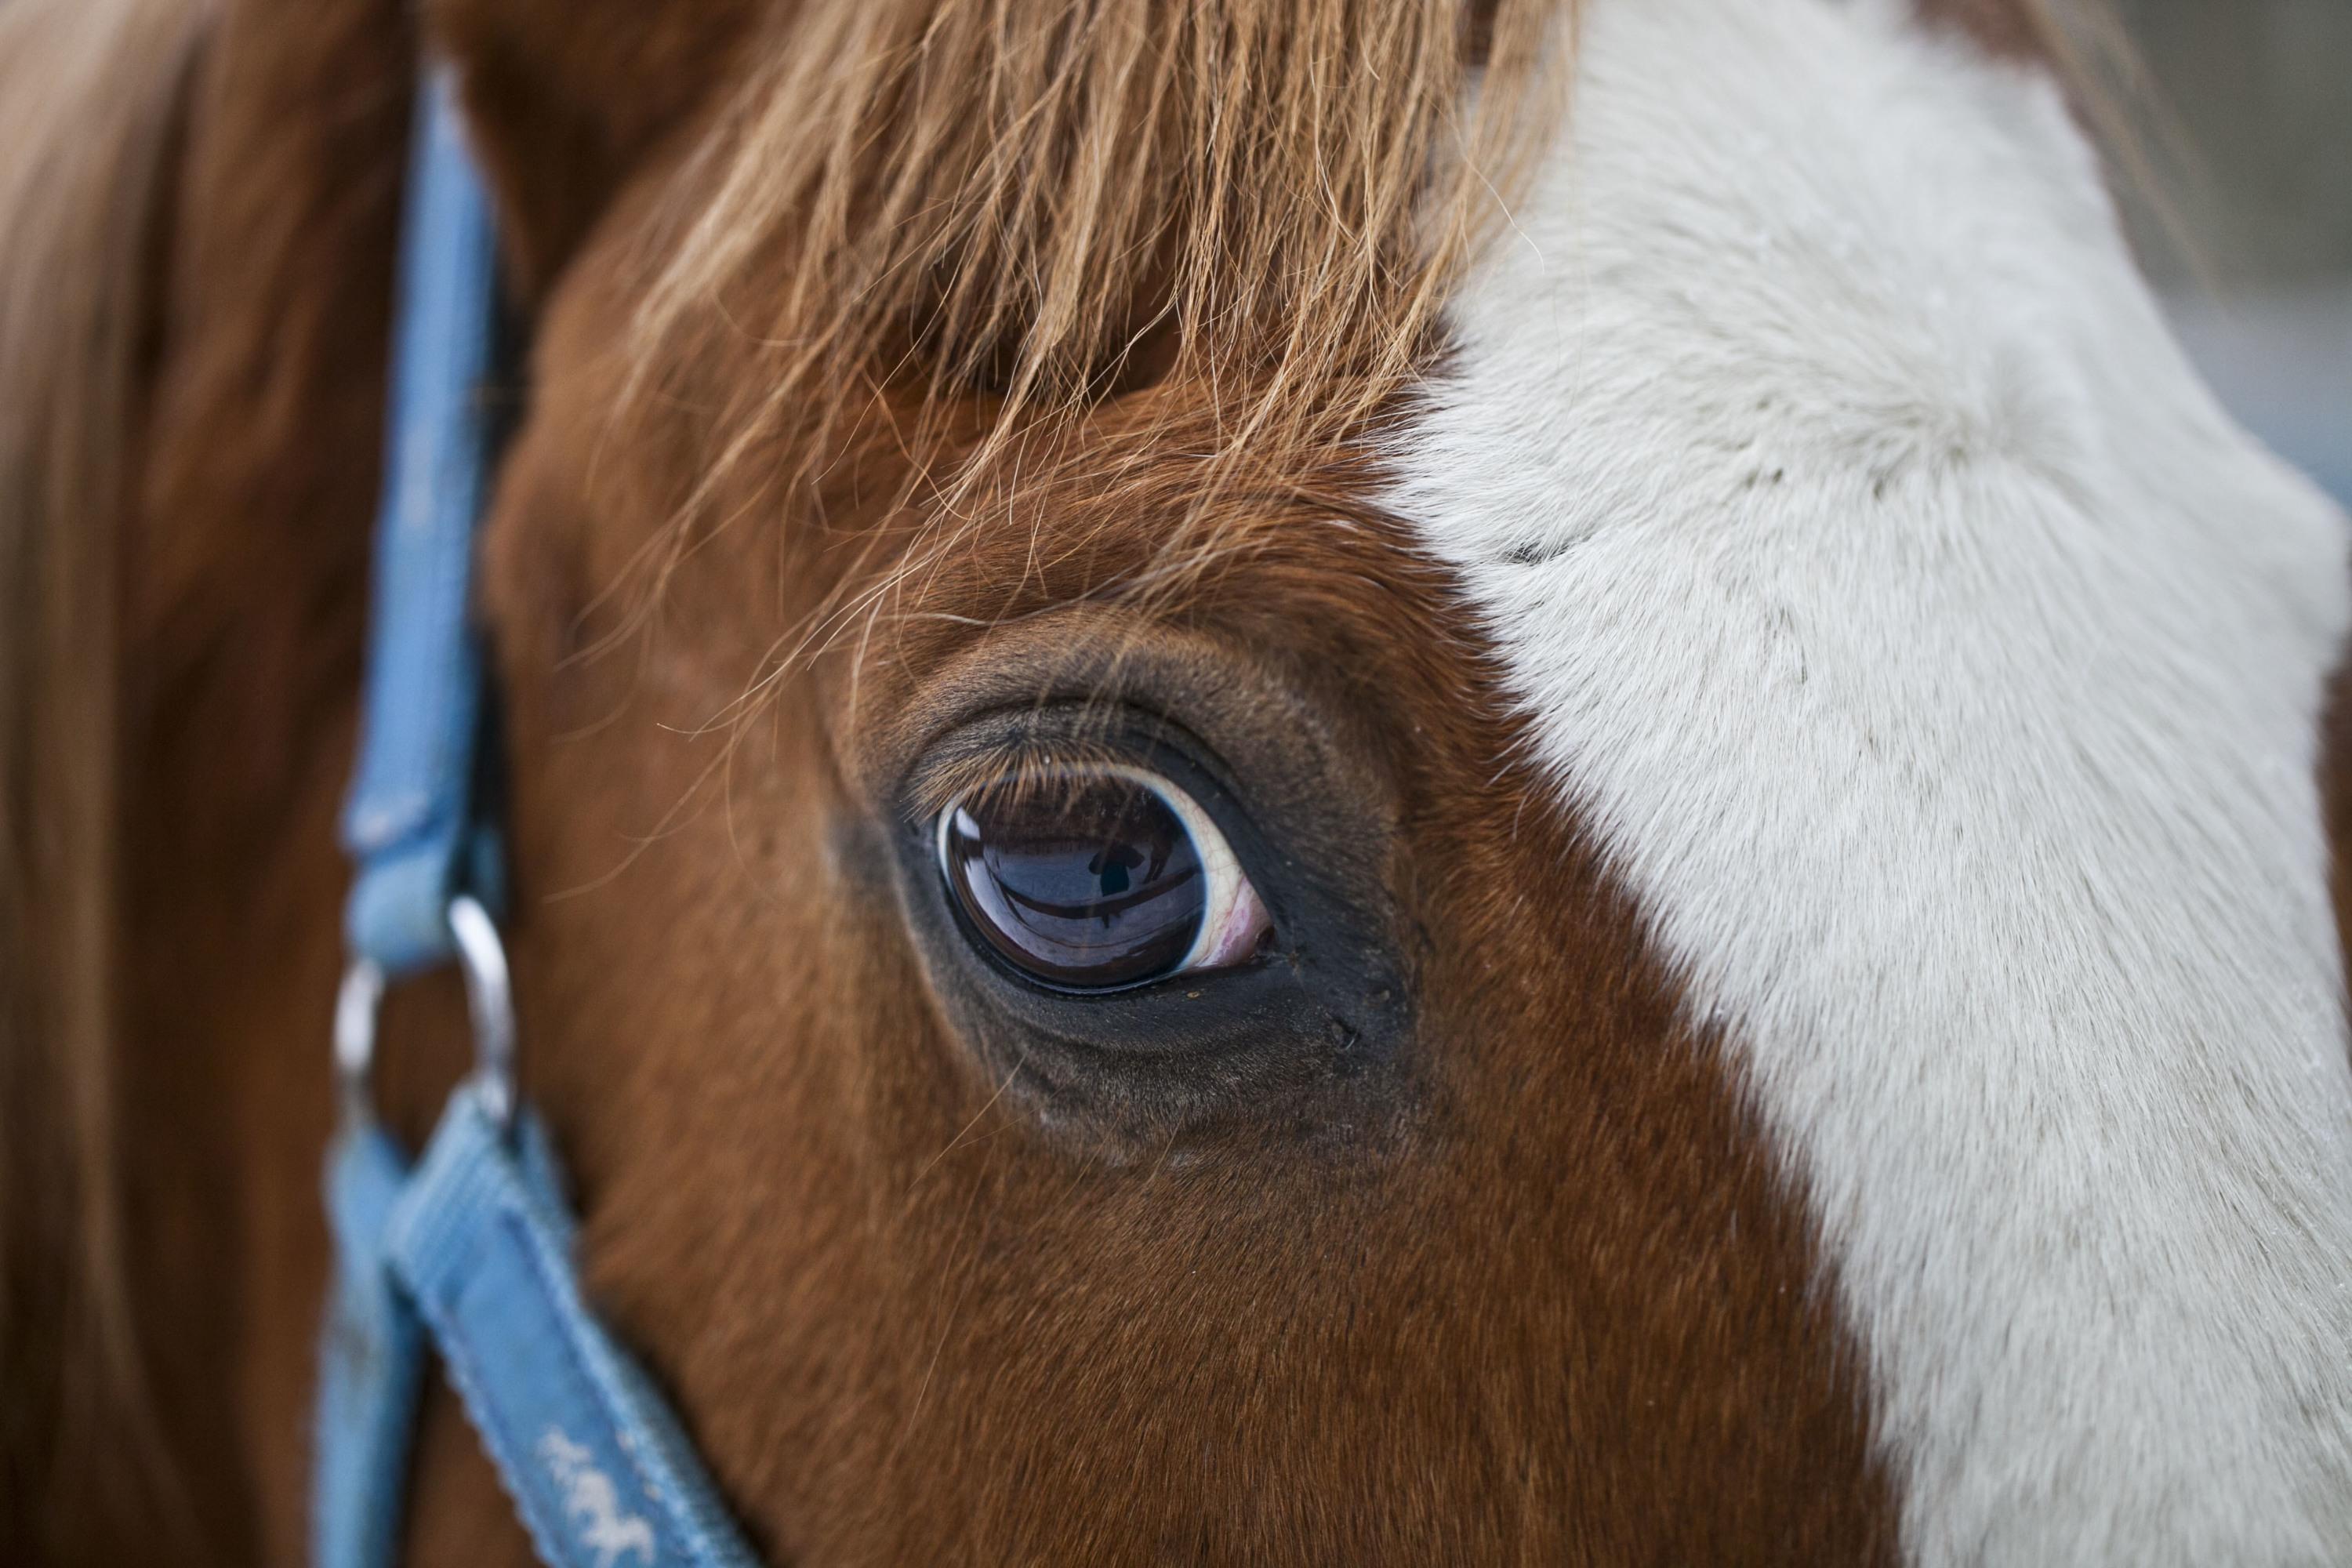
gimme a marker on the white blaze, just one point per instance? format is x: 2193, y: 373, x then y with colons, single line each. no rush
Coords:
x: 1941, y: 673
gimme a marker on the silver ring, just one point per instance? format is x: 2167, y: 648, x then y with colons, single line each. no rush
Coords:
x: 489, y: 1004
x: 356, y: 1002
x: 489, y: 1000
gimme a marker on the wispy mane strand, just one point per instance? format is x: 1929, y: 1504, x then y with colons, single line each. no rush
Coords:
x: 1016, y: 199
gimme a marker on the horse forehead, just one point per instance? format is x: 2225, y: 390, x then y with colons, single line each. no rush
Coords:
x: 1806, y: 224
x: 1942, y: 674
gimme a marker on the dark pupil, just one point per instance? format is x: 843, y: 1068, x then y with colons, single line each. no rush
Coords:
x: 1092, y: 884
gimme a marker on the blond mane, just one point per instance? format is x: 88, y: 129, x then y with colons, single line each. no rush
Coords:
x: 1018, y: 209
x: 89, y: 98
x: 1019, y: 193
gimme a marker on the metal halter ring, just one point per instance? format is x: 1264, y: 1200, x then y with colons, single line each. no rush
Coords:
x: 490, y: 1003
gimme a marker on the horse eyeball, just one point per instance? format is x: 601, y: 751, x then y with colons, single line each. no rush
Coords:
x: 1099, y: 880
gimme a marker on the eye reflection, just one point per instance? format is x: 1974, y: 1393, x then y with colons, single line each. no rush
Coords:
x: 1099, y: 880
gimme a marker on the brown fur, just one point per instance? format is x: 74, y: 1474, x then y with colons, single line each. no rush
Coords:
x: 2015, y: 29
x: 1530, y: 1290
x: 936, y: 1332
x: 1018, y: 209
x: 540, y: 80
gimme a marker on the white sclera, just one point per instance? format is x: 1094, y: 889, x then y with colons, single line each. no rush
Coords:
x: 1232, y: 916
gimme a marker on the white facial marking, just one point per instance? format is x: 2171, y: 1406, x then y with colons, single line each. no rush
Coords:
x: 1941, y: 673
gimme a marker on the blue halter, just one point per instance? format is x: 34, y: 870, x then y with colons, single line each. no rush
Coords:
x: 466, y: 1254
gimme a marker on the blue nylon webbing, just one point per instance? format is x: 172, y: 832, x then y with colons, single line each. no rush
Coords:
x: 470, y: 1254
x: 410, y: 822
x: 370, y: 1364
x: 596, y: 1464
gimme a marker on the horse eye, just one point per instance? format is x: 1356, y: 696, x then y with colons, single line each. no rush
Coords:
x: 1099, y: 880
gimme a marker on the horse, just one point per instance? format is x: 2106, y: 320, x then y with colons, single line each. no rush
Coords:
x: 1287, y: 781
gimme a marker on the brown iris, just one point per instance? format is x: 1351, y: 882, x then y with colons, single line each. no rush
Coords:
x: 1089, y: 883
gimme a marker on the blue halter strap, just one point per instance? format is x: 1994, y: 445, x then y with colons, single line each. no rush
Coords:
x: 469, y: 1253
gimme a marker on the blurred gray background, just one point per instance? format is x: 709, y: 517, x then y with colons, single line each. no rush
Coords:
x: 2249, y: 122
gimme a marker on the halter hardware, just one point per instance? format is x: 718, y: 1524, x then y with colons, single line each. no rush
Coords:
x: 465, y: 1252
x: 490, y: 1008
